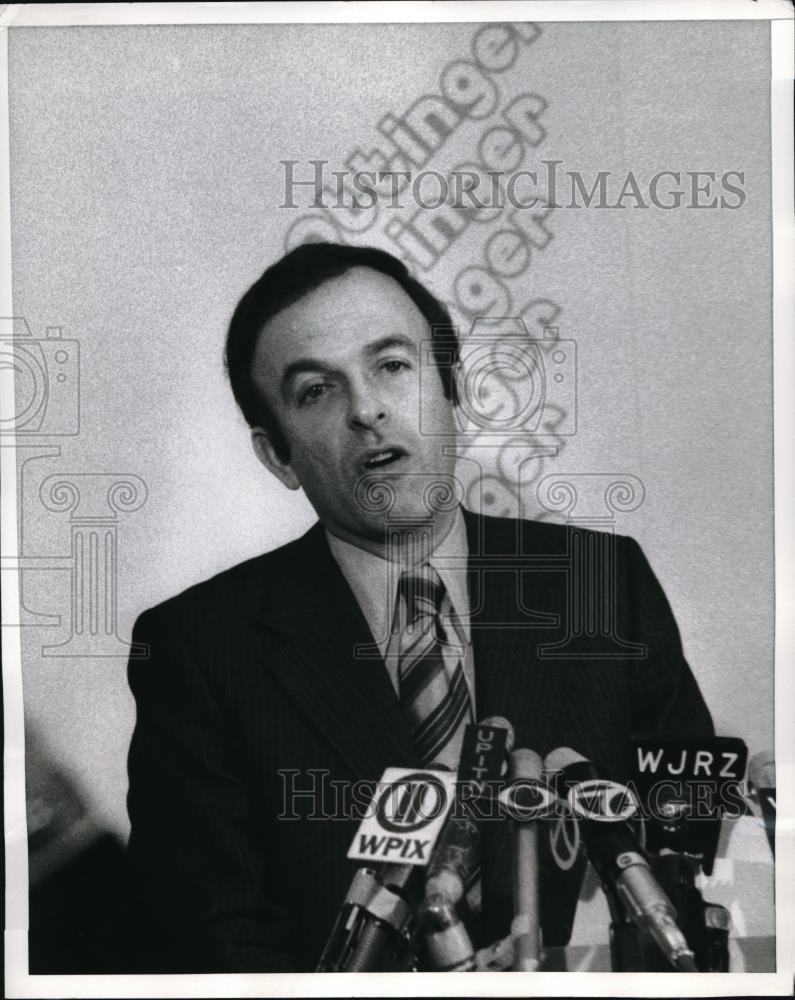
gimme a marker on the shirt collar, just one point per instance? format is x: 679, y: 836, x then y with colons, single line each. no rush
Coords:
x: 374, y: 580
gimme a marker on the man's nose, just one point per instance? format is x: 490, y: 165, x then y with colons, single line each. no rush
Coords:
x: 367, y: 409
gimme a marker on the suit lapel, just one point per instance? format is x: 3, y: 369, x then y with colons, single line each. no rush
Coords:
x: 508, y: 621
x: 328, y: 663
x: 320, y: 634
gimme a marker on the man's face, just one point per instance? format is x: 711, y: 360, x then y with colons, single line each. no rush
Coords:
x: 340, y: 371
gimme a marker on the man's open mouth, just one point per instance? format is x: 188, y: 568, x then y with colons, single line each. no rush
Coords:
x: 382, y: 459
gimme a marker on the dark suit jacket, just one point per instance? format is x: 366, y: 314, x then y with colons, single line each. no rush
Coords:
x: 253, y: 672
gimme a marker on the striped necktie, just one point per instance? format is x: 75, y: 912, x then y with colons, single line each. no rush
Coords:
x: 433, y: 692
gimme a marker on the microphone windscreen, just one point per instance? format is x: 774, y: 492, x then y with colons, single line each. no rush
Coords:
x: 762, y: 770
x: 561, y: 758
x: 500, y: 722
x: 526, y: 764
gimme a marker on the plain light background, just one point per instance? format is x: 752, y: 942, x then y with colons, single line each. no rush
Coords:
x: 146, y: 188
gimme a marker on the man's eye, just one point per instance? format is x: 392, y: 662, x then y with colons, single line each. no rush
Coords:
x: 312, y: 392
x: 394, y: 365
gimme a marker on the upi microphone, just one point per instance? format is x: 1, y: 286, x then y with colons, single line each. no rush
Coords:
x: 456, y: 860
x: 616, y: 855
x: 499, y: 723
x: 762, y: 778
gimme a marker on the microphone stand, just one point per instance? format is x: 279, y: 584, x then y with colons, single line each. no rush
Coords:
x: 705, y: 925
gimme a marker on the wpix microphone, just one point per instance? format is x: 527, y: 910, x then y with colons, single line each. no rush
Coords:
x: 618, y: 857
x: 372, y: 927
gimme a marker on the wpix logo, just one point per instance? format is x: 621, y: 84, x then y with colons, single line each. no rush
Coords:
x: 408, y: 812
x: 411, y: 803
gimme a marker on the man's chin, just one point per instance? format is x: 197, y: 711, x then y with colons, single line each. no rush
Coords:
x: 385, y: 498
x: 413, y: 518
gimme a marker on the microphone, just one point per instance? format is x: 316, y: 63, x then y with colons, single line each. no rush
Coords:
x: 410, y: 809
x: 688, y: 786
x: 762, y: 779
x: 617, y: 856
x: 455, y: 863
x: 375, y: 912
x: 525, y: 766
x: 499, y: 722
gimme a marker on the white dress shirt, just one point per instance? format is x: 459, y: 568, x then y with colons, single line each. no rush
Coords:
x: 374, y: 581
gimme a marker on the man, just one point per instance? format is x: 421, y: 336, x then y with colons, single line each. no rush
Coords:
x: 370, y: 641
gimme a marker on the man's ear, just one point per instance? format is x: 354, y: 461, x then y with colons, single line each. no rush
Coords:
x: 266, y: 453
x: 457, y: 374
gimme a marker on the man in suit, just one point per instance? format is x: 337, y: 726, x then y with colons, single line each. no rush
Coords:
x: 371, y: 641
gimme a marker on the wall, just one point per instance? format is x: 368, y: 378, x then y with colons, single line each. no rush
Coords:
x: 146, y: 194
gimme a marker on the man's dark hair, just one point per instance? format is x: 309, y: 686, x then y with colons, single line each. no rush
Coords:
x: 303, y: 270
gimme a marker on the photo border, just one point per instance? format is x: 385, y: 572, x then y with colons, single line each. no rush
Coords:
x: 780, y: 14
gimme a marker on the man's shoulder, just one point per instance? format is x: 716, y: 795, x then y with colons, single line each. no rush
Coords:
x: 244, y: 584
x: 527, y: 536
x: 254, y: 582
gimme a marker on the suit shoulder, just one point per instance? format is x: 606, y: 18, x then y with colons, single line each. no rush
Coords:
x: 527, y: 535
x: 238, y: 585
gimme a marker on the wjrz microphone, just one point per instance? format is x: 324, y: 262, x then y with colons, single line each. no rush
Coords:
x: 616, y: 854
x: 687, y: 786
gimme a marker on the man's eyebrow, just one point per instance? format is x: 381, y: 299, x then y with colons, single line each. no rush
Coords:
x: 394, y: 340
x: 315, y: 365
x: 297, y: 367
